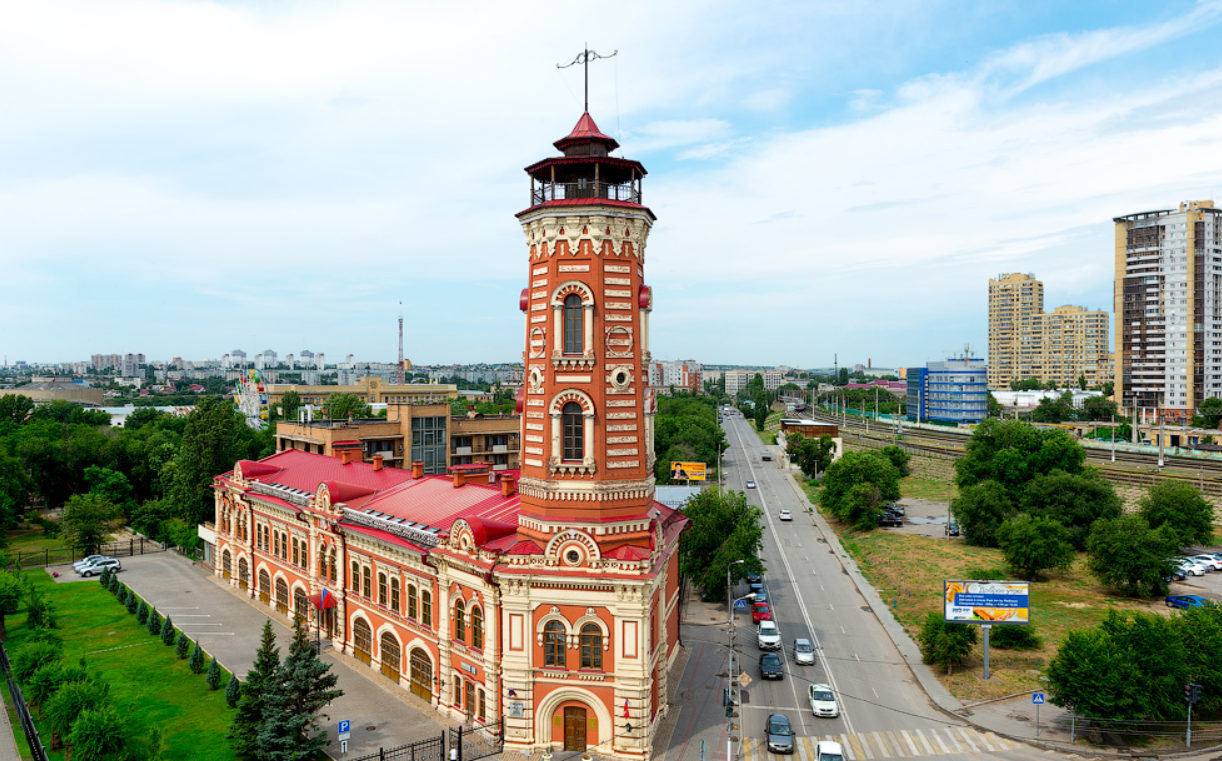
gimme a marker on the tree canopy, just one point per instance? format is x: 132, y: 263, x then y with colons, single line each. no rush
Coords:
x: 1180, y: 507
x: 724, y: 528
x: 857, y: 485
x: 1129, y: 556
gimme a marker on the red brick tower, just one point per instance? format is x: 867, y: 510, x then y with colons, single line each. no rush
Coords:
x: 587, y: 413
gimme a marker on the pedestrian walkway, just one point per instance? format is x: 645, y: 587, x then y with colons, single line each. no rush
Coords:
x: 894, y: 743
x: 8, y: 745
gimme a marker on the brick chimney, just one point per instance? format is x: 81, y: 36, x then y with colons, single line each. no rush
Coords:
x: 460, y: 478
x: 507, y: 485
x: 377, y: 462
x: 418, y: 469
x: 345, y: 456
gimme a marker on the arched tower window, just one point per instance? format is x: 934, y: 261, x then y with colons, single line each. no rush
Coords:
x: 574, y: 326
x: 573, y: 427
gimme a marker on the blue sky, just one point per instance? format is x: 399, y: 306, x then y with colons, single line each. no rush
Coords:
x: 830, y: 178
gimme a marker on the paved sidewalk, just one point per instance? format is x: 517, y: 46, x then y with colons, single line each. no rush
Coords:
x: 227, y: 626
x: 8, y: 746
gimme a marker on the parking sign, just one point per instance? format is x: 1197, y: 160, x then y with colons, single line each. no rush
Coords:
x: 344, y: 727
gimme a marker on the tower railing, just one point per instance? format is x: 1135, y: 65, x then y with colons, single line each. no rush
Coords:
x: 558, y: 191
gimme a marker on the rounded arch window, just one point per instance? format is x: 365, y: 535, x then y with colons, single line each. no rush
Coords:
x: 574, y: 326
x: 553, y: 644
x: 573, y: 431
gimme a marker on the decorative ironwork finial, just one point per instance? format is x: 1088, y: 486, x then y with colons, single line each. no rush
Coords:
x: 584, y: 58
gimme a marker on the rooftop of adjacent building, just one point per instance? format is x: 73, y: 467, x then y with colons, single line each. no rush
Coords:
x: 1185, y: 207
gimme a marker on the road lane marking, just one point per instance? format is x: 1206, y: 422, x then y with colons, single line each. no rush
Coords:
x: 855, y: 743
x: 908, y: 738
x: 929, y: 751
x: 936, y: 738
x: 966, y: 737
x: 983, y: 738
x: 884, y: 744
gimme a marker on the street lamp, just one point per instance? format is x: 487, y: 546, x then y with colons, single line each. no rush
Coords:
x: 730, y: 661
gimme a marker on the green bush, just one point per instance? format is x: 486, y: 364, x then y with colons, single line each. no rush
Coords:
x: 133, y: 602
x: 168, y: 634
x: 945, y: 644
x: 182, y: 647
x: 40, y: 612
x: 196, y: 662
x: 1015, y: 637
x: 34, y: 655
x: 142, y: 614
x: 214, y: 674
x: 154, y: 623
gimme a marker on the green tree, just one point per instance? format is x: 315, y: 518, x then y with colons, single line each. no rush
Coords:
x: 248, y: 720
x: 1093, y: 676
x: 1054, y: 410
x: 724, y: 529
x: 1082, y: 381
x: 196, y: 662
x: 100, y: 733
x: 1013, y: 452
x: 994, y: 406
x: 47, y: 680
x: 944, y: 644
x: 1202, y: 627
x: 1075, y: 501
x: 303, y: 685
x: 812, y: 456
x: 35, y: 654
x: 110, y: 485
x: 68, y: 702
x: 40, y: 611
x: 899, y: 458
x: 1126, y: 554
x: 88, y: 521
x: 1208, y: 414
x: 168, y: 633
x: 1155, y: 646
x: 1032, y: 544
x: 980, y: 510
x: 1181, y: 508
x: 342, y: 406
x: 15, y: 409
x: 233, y: 691
x: 142, y: 613
x: 214, y: 674
x: 154, y: 622
x: 290, y: 403
x: 133, y: 602
x: 10, y: 596
x: 857, y: 485
x: 1029, y: 384
x: 214, y: 438
x: 182, y: 647
x: 1097, y: 408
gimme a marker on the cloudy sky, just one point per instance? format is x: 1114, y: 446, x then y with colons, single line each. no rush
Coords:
x: 830, y: 178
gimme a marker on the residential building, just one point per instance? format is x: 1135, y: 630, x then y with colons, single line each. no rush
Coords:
x: 737, y: 380
x: 954, y: 391
x: 549, y: 600
x: 1015, y: 303
x: 681, y: 375
x: 1168, y: 295
x: 372, y: 389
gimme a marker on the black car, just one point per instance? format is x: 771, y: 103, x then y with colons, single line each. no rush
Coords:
x: 952, y: 529
x: 889, y: 519
x: 770, y: 666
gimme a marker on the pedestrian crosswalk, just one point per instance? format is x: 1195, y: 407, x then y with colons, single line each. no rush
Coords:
x: 892, y: 743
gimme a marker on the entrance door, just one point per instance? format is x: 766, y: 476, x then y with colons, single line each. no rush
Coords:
x: 390, y: 656
x: 328, y: 617
x: 574, y: 729
x: 282, y: 596
x: 422, y: 676
x: 265, y: 588
x: 362, y: 641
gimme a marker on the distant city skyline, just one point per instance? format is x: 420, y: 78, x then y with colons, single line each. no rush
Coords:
x: 850, y: 196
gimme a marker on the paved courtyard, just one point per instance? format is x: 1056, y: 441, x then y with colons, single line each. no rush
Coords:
x: 382, y: 712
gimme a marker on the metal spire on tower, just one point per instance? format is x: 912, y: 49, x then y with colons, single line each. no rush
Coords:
x: 584, y: 58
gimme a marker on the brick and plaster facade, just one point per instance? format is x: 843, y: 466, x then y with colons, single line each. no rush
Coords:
x: 547, y: 597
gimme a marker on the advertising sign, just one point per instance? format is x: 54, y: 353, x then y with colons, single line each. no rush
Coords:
x: 687, y: 471
x: 985, y: 602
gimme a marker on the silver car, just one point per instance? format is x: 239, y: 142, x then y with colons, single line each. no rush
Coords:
x: 803, y: 652
x: 96, y: 567
x: 779, y: 733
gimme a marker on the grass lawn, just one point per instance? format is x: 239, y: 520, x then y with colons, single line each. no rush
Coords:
x: 30, y: 538
x: 908, y: 570
x: 148, y: 684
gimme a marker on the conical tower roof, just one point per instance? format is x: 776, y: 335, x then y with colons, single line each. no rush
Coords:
x: 584, y: 133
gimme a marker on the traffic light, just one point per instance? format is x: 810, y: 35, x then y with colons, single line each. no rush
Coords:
x: 729, y: 710
x: 1188, y: 693
x: 1196, y: 693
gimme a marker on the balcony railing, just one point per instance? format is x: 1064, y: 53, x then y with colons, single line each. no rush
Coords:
x: 558, y: 191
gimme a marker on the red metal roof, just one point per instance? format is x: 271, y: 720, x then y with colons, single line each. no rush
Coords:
x: 586, y: 131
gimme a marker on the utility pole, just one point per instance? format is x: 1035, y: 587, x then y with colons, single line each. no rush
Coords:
x: 1160, y: 435
x: 1113, y: 438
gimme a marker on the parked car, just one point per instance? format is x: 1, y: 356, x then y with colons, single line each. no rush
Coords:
x: 952, y: 529
x: 803, y: 652
x: 785, y: 515
x: 87, y: 560
x: 826, y: 750
x: 768, y: 636
x: 755, y: 578
x: 760, y: 612
x: 98, y: 566
x: 761, y: 596
x: 779, y: 733
x: 1186, y: 601
x: 770, y: 666
x: 822, y: 701
x: 887, y: 519
x: 896, y: 508
x: 1192, y: 568
x: 750, y: 484
x: 1207, y: 560
x: 757, y: 588
x: 1176, y: 574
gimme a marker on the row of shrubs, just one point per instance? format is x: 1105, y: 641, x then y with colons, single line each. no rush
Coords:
x: 198, y: 661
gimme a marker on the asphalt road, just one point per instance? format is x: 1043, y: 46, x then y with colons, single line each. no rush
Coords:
x: 883, y: 711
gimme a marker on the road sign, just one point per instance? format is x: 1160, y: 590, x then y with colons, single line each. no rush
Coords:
x: 1037, y: 698
x: 744, y: 679
x: 740, y: 605
x: 345, y: 727
x: 343, y: 747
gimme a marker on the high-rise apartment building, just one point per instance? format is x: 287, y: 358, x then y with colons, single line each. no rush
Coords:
x: 1168, y: 292
x: 1025, y: 342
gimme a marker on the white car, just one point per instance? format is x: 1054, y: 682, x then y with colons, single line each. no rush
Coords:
x: 750, y: 484
x: 87, y: 560
x: 786, y: 515
x: 768, y: 637
x: 1209, y: 561
x: 803, y: 652
x: 826, y: 750
x: 822, y: 701
x: 1191, y: 568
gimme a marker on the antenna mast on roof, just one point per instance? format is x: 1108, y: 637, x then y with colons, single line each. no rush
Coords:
x: 584, y: 58
x: 399, y: 372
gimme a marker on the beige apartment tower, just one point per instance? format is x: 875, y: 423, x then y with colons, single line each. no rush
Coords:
x: 1025, y: 342
x: 1169, y: 308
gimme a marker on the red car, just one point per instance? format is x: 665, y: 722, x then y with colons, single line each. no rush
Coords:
x: 761, y: 612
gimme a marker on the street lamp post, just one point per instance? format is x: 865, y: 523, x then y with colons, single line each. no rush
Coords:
x: 730, y: 691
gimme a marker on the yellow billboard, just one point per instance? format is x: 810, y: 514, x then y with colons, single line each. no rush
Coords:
x: 687, y: 471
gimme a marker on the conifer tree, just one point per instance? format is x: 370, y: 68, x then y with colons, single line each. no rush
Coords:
x: 214, y: 674
x: 182, y: 647
x: 142, y: 613
x: 154, y: 622
x: 233, y: 691
x: 104, y: 578
x: 133, y: 602
x: 196, y: 663
x: 168, y: 634
x: 302, y: 686
x: 248, y: 721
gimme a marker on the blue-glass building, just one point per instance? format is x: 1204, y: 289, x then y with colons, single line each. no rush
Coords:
x: 954, y: 391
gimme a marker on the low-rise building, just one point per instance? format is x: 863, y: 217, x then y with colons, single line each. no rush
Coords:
x: 954, y: 391
x: 372, y: 389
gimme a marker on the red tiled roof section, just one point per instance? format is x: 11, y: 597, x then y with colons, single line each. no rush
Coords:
x: 525, y: 547
x: 345, y: 492
x: 628, y: 552
x: 487, y: 530
x: 586, y: 131
x: 256, y: 469
x: 305, y: 471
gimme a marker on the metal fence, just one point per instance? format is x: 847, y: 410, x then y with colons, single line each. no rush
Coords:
x: 23, y: 710
x: 134, y: 546
x: 432, y: 749
x: 478, y: 742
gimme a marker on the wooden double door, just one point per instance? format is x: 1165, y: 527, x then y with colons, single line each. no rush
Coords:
x: 574, y: 728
